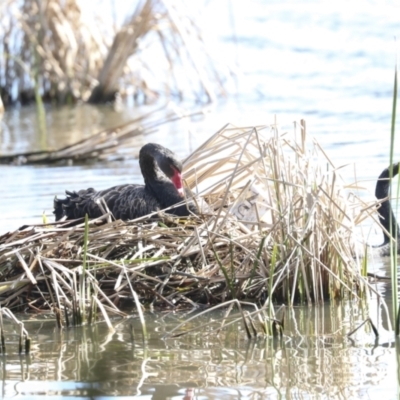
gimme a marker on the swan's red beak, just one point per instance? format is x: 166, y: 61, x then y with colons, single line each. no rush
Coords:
x: 177, y: 181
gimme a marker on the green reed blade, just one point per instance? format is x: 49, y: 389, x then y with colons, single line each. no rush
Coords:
x: 229, y: 281
x: 393, y: 246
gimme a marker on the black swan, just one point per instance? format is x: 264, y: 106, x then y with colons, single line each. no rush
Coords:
x: 163, y: 188
x: 386, y: 215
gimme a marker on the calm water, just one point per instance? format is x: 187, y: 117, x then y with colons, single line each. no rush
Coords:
x: 331, y: 63
x: 314, y: 359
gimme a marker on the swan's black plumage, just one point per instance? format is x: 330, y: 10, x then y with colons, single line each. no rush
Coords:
x: 161, y: 171
x: 386, y: 215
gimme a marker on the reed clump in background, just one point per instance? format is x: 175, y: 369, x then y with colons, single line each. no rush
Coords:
x: 277, y: 224
x: 64, y: 52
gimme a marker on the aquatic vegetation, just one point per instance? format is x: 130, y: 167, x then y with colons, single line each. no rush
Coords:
x: 394, y: 245
x: 63, y: 52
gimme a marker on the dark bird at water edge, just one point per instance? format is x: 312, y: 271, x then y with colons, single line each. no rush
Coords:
x: 386, y: 215
x: 162, y: 188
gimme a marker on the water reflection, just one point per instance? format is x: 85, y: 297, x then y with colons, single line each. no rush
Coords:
x: 20, y: 129
x: 314, y: 358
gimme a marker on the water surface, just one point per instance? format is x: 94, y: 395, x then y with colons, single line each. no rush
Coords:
x: 314, y: 359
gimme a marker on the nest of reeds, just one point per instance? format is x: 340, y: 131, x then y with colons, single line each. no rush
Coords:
x: 276, y: 224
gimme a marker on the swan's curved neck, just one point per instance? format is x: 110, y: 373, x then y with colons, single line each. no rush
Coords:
x: 162, y: 178
x: 386, y: 215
